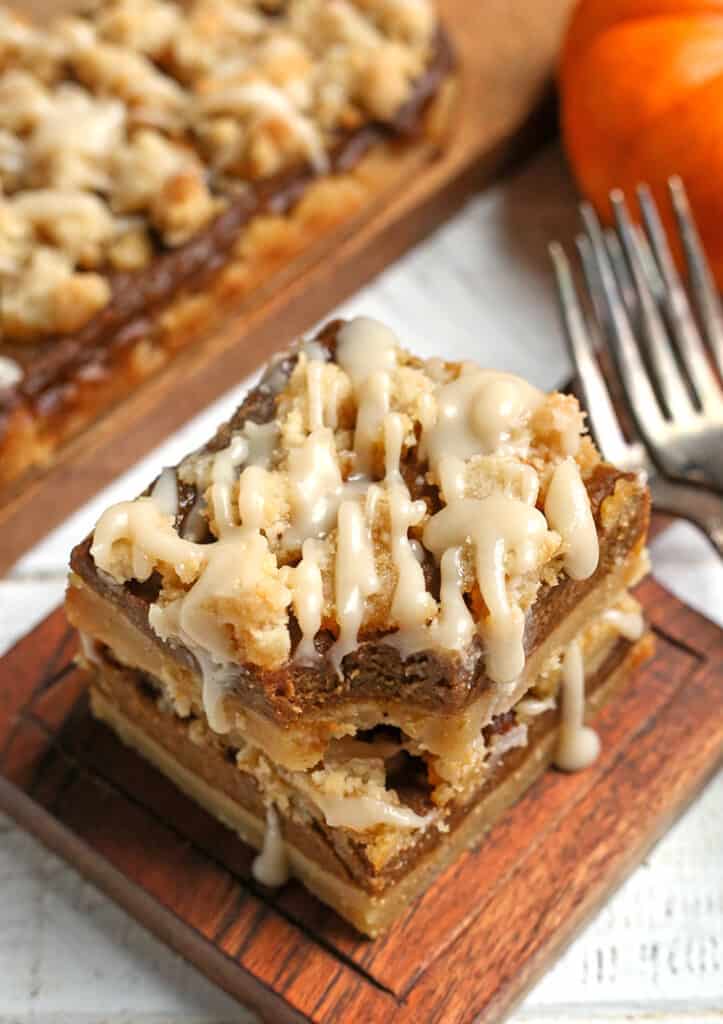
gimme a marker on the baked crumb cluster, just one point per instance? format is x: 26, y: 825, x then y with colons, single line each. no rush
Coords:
x: 140, y: 121
x: 420, y: 499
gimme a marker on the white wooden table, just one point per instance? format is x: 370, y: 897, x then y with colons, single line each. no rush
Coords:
x: 479, y: 288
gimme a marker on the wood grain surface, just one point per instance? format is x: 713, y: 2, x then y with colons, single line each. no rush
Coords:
x: 469, y: 948
x: 506, y: 51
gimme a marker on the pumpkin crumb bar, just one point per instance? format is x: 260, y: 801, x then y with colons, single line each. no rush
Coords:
x: 361, y: 620
x: 160, y: 160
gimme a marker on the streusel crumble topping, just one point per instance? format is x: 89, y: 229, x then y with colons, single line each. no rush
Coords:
x: 422, y: 500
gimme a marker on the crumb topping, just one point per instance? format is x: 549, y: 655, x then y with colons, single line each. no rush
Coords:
x: 424, y: 501
x: 134, y: 126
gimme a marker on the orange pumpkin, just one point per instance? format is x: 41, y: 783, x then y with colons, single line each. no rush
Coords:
x: 641, y: 86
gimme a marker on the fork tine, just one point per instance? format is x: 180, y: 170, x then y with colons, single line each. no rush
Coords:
x: 622, y: 274
x: 592, y: 280
x: 701, y: 281
x: 670, y: 381
x: 652, y: 274
x: 603, y: 421
x: 682, y: 322
x: 638, y: 390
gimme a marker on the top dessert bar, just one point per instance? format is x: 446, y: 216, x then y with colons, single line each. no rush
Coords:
x: 372, y: 538
x: 139, y: 145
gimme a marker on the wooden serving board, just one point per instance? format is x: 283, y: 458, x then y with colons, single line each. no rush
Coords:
x: 469, y: 948
x: 506, y: 51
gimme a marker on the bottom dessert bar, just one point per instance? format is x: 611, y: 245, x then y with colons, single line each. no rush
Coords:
x: 328, y: 861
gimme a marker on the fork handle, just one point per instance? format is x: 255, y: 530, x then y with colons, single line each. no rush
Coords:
x: 700, y: 507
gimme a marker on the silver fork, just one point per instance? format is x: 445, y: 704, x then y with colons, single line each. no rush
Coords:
x: 691, y: 502
x: 643, y: 309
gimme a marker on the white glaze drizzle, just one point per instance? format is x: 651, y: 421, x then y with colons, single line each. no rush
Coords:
x: 365, y: 346
x: 253, y: 445
x: 334, y: 390
x: 454, y: 627
x: 506, y: 534
x: 533, y: 706
x: 630, y: 624
x: 261, y: 439
x: 223, y: 477
x: 367, y: 352
x: 151, y: 536
x: 355, y: 576
x: 313, y: 349
x: 232, y: 564
x: 371, y: 499
x: 363, y: 812
x: 254, y: 496
x: 373, y: 396
x: 315, y: 486
x: 165, y: 492
x: 215, y: 682
x: 308, y: 599
x: 314, y: 394
x: 502, y: 743
x: 412, y: 605
x: 451, y: 472
x: 11, y: 373
x: 480, y: 412
x: 270, y: 867
x: 165, y: 621
x: 578, y: 745
x: 567, y: 509
x: 90, y: 648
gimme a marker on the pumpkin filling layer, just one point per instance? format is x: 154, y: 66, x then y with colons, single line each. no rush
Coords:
x: 365, y: 591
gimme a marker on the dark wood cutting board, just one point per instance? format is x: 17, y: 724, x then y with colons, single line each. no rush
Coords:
x: 470, y: 948
x: 506, y: 50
